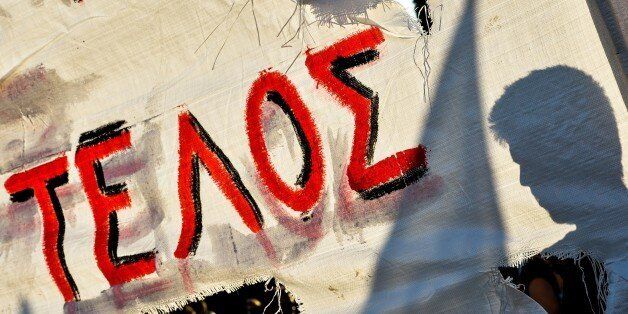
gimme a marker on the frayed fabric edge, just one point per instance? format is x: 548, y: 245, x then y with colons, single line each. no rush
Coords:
x: 180, y: 302
x: 602, y: 275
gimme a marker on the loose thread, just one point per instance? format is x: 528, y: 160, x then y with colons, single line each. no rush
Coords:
x: 277, y: 295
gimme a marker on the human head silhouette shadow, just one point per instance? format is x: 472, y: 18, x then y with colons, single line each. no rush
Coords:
x: 560, y: 129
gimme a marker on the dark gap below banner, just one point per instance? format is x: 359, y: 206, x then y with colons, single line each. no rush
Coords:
x: 562, y: 285
x: 262, y: 297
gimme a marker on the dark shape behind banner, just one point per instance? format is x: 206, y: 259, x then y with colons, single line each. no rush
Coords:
x: 560, y: 128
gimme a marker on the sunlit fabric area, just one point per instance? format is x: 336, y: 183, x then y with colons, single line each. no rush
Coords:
x: 313, y: 156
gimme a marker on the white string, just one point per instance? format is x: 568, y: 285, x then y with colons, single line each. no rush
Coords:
x: 277, y: 295
x: 425, y: 73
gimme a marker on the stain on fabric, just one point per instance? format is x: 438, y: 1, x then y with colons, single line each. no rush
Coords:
x: 33, y: 110
x: 339, y: 12
x: 4, y: 13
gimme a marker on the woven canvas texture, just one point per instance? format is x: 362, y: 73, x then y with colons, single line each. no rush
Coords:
x: 503, y: 130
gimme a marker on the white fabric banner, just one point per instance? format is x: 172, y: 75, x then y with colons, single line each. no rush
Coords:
x: 155, y: 152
